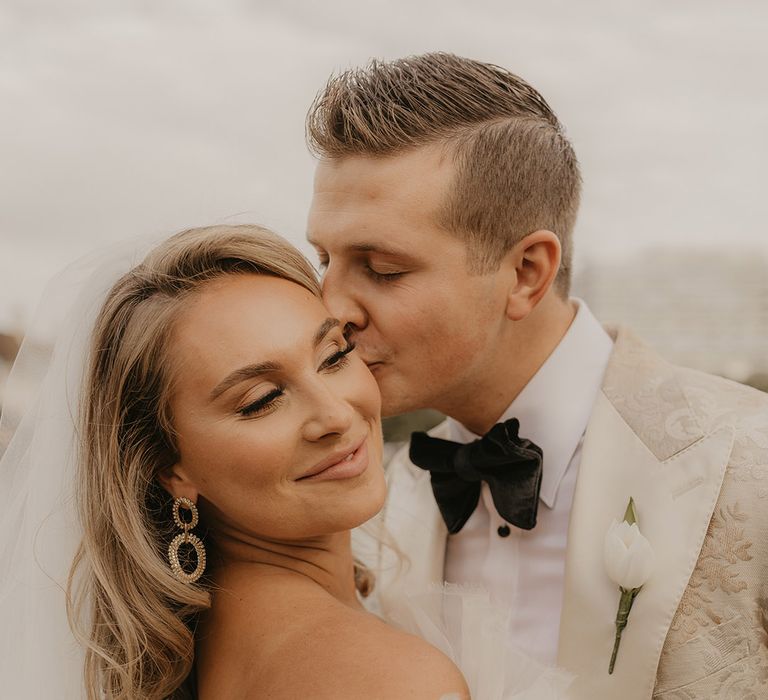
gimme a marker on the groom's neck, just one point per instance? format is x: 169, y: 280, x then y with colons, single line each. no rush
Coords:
x: 509, y: 366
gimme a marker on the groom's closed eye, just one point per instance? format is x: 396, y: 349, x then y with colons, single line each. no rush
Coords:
x: 383, y: 273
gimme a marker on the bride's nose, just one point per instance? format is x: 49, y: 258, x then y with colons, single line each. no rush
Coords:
x: 329, y: 413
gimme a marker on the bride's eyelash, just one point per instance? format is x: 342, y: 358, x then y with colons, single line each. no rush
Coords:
x: 271, y: 399
x: 268, y: 400
x: 338, y: 359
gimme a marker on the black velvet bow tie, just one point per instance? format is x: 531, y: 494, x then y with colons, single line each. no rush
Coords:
x: 511, y: 467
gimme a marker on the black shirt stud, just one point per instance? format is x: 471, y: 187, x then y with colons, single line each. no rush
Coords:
x: 503, y: 530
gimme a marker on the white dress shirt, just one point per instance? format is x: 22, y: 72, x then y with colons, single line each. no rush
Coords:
x: 526, y: 569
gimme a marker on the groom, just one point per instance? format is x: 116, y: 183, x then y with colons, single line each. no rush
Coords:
x: 445, y: 199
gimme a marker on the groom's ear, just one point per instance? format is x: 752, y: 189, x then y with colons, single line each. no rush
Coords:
x: 533, y: 264
x: 176, y: 482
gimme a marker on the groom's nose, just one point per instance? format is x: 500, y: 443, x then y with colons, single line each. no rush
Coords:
x: 343, y: 303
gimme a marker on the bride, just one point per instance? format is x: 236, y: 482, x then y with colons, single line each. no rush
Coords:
x: 182, y: 487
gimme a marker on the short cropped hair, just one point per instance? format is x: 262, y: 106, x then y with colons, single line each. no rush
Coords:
x: 516, y: 172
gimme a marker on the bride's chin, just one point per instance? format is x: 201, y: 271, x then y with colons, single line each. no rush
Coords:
x: 378, y: 485
x: 363, y: 503
x: 378, y: 498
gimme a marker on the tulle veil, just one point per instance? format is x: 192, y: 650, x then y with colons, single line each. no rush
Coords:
x: 39, y: 533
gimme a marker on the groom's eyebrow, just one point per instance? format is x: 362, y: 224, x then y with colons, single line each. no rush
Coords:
x: 259, y: 368
x: 377, y: 248
x: 367, y: 248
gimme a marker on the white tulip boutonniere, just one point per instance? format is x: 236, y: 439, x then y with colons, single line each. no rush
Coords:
x: 629, y: 561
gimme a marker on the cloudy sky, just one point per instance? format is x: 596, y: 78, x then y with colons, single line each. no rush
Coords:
x: 131, y: 118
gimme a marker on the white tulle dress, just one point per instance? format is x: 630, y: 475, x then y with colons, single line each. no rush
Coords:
x: 462, y: 622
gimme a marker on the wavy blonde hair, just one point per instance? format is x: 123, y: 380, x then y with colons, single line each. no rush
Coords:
x: 134, y: 618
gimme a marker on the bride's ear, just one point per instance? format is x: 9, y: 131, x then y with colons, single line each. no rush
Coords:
x: 175, y: 481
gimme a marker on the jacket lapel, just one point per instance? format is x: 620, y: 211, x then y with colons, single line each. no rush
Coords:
x: 643, y: 441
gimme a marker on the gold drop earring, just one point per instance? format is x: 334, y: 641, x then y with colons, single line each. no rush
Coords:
x: 186, y: 537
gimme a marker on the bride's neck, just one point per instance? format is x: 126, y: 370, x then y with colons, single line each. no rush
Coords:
x: 325, y: 561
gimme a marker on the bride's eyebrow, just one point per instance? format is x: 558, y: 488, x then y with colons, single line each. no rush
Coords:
x: 259, y: 368
x: 325, y: 328
x: 240, y: 375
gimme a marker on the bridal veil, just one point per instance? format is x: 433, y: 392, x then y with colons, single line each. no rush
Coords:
x: 39, y: 533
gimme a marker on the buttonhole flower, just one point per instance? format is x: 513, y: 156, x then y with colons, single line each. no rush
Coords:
x: 629, y: 562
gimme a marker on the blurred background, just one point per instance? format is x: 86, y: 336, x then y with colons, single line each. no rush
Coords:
x: 121, y: 118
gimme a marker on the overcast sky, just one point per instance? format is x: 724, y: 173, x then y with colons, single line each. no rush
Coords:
x: 143, y: 117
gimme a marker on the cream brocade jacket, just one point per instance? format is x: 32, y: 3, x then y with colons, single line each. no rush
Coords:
x: 692, y: 450
x: 717, y: 643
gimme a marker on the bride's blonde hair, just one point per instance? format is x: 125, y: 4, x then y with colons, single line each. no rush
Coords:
x: 135, y: 619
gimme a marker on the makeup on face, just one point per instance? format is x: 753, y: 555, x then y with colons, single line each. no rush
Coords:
x: 278, y: 425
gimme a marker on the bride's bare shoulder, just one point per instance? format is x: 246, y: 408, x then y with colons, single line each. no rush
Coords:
x: 383, y: 662
x: 319, y: 649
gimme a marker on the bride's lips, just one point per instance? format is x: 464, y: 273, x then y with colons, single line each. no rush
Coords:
x: 343, y: 464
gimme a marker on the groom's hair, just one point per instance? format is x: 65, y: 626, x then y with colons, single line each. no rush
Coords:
x: 516, y: 172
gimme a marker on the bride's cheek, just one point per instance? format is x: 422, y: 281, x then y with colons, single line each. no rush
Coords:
x: 366, y: 391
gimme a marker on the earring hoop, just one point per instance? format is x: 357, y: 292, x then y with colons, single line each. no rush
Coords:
x: 186, y: 537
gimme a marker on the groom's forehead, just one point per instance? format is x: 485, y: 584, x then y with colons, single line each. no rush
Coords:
x: 415, y: 180
x: 387, y: 206
x: 362, y: 230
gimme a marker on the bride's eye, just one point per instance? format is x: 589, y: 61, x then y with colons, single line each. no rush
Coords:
x: 338, y: 359
x: 260, y: 405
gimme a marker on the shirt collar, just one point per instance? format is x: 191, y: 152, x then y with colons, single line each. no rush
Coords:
x: 555, y: 406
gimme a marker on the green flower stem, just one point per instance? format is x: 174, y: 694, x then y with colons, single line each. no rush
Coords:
x: 625, y: 605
